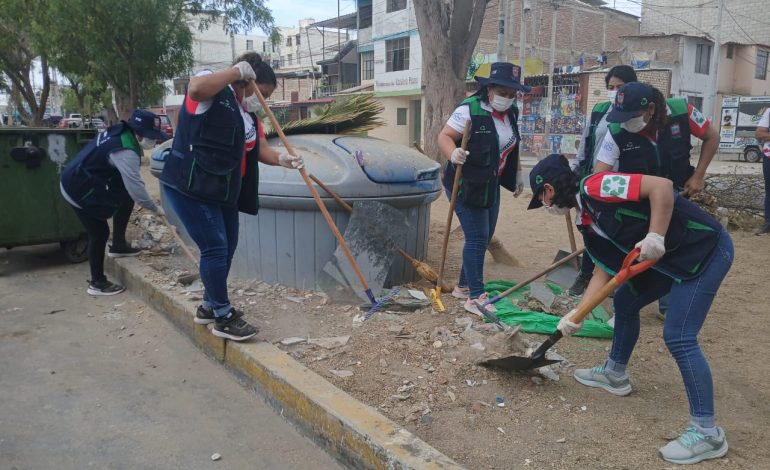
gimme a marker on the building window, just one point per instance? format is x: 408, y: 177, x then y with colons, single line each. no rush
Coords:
x: 296, y: 39
x: 696, y: 101
x: 367, y: 61
x: 288, y: 41
x: 249, y: 45
x: 180, y: 86
x: 760, y: 73
x: 702, y: 58
x: 730, y: 50
x: 397, y: 54
x: 289, y: 59
x: 401, y: 116
x: 264, y: 46
x: 395, y: 5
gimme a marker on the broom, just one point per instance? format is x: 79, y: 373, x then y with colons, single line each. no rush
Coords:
x: 424, y: 270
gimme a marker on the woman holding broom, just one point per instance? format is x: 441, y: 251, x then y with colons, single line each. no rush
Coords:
x: 491, y: 161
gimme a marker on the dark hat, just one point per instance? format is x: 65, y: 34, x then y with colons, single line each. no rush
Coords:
x: 544, y: 172
x: 504, y: 74
x: 631, y: 98
x: 146, y: 124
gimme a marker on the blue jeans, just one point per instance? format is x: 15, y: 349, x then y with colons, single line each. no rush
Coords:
x: 689, y: 303
x: 214, y: 228
x: 766, y: 173
x: 479, y: 226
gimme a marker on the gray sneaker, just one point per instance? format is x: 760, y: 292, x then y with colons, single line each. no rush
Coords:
x: 598, y: 377
x: 693, y: 447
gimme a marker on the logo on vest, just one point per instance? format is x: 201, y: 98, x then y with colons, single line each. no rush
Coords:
x: 619, y: 100
x: 615, y: 186
x: 675, y: 130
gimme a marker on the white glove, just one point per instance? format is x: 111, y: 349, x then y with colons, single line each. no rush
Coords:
x: 653, y: 247
x: 567, y: 327
x: 290, y: 161
x: 459, y: 156
x: 247, y: 73
x: 159, y: 211
x: 519, y: 184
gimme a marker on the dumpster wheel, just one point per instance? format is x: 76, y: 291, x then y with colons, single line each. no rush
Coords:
x: 76, y: 251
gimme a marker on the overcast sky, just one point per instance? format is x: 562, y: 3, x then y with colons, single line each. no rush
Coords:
x: 288, y: 12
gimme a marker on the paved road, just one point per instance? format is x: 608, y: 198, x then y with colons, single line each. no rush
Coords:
x: 107, y: 383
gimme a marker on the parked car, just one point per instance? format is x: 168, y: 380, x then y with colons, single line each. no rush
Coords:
x: 165, y: 126
x: 69, y: 123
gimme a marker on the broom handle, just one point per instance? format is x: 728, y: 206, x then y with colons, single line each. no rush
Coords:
x: 179, y: 240
x: 347, y: 207
x: 571, y: 232
x: 317, y: 198
x: 452, y: 202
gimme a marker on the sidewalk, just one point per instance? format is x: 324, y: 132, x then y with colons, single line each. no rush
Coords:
x: 106, y: 382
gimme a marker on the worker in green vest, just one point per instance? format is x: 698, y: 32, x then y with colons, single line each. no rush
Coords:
x: 593, y: 135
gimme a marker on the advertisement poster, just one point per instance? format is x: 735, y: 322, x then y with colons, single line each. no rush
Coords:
x: 728, y: 125
x: 569, y: 144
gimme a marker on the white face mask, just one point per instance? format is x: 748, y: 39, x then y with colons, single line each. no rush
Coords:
x: 554, y: 210
x: 611, y: 94
x: 251, y: 103
x: 147, y: 143
x: 501, y: 104
x: 634, y: 125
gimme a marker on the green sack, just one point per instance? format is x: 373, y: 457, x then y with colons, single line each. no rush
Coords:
x: 594, y: 326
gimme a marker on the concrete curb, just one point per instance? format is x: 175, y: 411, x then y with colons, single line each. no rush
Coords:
x: 354, y: 433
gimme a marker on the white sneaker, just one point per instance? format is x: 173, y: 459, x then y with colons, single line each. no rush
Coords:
x: 461, y: 292
x: 470, y: 305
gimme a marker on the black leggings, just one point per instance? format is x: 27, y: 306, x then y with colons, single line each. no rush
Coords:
x: 99, y: 232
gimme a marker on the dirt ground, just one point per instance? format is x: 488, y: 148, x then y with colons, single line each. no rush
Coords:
x: 417, y: 367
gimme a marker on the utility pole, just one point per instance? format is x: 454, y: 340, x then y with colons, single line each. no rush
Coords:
x: 710, y: 104
x: 501, y: 56
x: 549, y: 101
x: 339, y: 51
x: 522, y: 37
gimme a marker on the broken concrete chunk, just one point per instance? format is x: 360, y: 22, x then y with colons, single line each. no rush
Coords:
x: 331, y: 342
x: 541, y: 292
x: 292, y: 341
x: 341, y: 373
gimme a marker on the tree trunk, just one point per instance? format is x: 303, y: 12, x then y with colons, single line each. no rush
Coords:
x: 449, y: 30
x: 38, y: 118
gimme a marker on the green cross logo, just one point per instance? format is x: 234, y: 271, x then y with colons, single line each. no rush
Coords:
x: 616, y: 186
x: 538, y: 179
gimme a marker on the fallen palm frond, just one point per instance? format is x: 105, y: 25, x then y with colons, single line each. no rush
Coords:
x: 346, y: 115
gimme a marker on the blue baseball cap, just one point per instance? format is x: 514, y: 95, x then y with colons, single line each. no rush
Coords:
x: 545, y: 171
x: 631, y: 98
x: 504, y: 74
x: 146, y: 124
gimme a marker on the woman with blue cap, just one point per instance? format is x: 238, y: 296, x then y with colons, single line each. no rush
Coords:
x: 102, y: 182
x: 491, y: 161
x: 693, y: 252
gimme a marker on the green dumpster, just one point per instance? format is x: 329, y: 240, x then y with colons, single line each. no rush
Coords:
x: 32, y: 209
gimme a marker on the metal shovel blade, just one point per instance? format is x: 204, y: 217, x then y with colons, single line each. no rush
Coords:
x: 372, y: 234
x: 519, y: 363
x: 565, y: 274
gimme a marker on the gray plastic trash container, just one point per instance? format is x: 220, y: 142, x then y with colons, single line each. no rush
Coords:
x: 289, y: 241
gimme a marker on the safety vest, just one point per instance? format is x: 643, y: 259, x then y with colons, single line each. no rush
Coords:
x: 91, y: 180
x: 207, y: 152
x: 668, y: 157
x: 691, y: 238
x: 479, y: 181
x: 599, y: 111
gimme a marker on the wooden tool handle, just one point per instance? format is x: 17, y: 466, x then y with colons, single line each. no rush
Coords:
x: 452, y: 202
x: 317, y: 198
x: 571, y: 232
x: 528, y: 281
x: 179, y: 240
x: 331, y: 193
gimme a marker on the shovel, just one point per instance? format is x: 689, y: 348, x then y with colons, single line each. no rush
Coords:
x: 565, y: 275
x: 538, y: 359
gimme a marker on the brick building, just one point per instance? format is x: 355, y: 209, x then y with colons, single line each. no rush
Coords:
x: 581, y: 28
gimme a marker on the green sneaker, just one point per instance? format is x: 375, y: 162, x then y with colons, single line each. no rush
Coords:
x: 598, y: 377
x: 693, y: 446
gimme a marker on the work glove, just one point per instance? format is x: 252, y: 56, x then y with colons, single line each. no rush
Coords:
x: 519, y: 184
x: 653, y: 247
x: 567, y: 327
x: 159, y: 211
x: 291, y: 161
x: 459, y: 156
x: 247, y: 73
